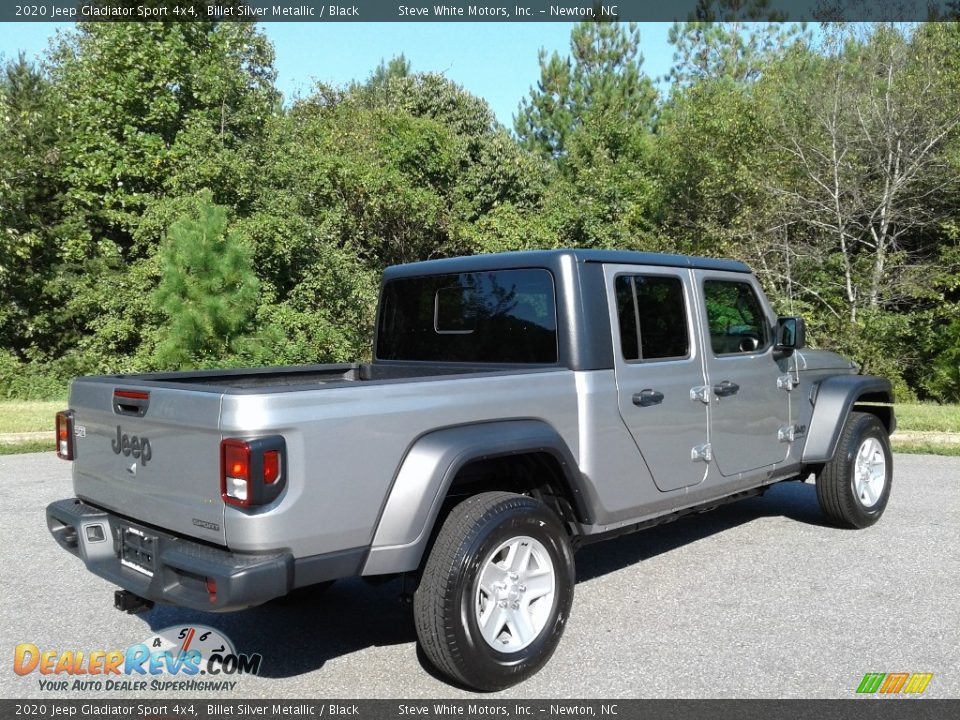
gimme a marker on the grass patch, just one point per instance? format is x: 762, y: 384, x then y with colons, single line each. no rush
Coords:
x: 28, y: 415
x: 923, y: 448
x: 928, y: 417
x: 27, y: 446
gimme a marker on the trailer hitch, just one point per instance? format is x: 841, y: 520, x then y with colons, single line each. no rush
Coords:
x: 130, y: 602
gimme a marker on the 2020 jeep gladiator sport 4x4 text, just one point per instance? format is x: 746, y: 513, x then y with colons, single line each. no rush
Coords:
x: 518, y: 405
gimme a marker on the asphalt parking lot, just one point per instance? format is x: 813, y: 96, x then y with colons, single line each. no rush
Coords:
x: 756, y: 599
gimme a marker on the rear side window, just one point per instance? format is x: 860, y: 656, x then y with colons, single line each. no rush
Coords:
x: 735, y: 317
x: 653, y: 317
x: 502, y: 316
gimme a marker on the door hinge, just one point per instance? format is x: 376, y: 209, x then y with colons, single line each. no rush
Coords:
x: 701, y: 452
x: 786, y: 382
x: 701, y: 393
x: 788, y: 433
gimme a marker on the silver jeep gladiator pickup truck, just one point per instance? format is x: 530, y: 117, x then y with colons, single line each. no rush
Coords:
x: 518, y: 406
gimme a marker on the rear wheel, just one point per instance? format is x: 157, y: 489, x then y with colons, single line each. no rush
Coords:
x: 853, y: 488
x: 496, y: 591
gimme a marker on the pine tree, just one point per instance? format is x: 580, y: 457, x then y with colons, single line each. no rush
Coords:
x: 600, y: 86
x: 207, y: 289
x: 398, y: 67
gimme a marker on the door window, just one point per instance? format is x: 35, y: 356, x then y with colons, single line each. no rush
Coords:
x: 735, y: 317
x: 652, y: 317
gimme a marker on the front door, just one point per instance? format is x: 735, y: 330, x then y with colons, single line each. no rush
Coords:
x: 656, y: 364
x: 747, y: 408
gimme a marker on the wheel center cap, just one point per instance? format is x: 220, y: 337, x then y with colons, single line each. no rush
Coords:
x: 511, y: 593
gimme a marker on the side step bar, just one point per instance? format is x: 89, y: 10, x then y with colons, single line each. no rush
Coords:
x: 582, y: 540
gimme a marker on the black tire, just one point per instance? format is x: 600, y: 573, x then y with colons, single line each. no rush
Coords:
x: 836, y: 483
x: 446, y: 602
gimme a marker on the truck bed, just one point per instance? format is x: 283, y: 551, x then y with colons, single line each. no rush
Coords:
x: 183, y: 417
x: 304, y: 377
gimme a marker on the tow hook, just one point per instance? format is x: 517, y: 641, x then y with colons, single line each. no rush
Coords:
x: 131, y: 603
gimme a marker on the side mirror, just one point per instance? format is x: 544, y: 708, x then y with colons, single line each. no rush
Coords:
x: 791, y: 335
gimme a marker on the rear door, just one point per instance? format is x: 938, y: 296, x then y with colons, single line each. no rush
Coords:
x: 150, y: 453
x: 747, y: 407
x: 657, y: 364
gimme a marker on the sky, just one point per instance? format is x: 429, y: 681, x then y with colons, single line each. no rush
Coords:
x: 496, y: 61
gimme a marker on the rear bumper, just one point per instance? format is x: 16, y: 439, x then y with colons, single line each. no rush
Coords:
x: 175, y: 570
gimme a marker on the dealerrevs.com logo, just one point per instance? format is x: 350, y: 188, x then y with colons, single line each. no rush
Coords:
x: 900, y: 683
x: 190, y: 658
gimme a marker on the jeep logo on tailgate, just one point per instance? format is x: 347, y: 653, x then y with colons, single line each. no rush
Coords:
x: 133, y: 445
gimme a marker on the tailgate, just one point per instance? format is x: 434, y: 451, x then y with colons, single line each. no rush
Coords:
x: 150, y: 453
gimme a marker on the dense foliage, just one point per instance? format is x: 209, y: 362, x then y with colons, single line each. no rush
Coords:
x: 161, y: 208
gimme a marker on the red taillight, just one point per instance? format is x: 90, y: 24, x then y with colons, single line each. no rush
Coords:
x: 65, y: 434
x: 235, y: 472
x: 271, y: 467
x: 212, y: 589
x: 252, y: 471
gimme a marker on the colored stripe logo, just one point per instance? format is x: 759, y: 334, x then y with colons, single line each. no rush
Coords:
x: 894, y: 683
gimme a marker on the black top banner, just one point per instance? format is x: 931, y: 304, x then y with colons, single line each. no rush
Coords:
x: 491, y: 11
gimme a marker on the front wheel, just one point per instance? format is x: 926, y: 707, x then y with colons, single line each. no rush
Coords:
x: 496, y: 591
x: 853, y: 488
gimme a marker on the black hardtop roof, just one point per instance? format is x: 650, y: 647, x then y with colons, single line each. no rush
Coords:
x: 554, y: 258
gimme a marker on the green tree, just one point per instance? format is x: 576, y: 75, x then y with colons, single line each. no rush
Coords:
x: 710, y: 168
x: 591, y: 114
x: 600, y: 87
x: 942, y: 379
x: 158, y: 107
x: 723, y: 39
x: 713, y: 133
x: 207, y: 289
x: 397, y: 67
x: 405, y: 172
x: 145, y: 113
x: 30, y: 207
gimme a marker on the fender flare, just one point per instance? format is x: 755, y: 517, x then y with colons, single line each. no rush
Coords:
x: 834, y: 399
x: 429, y: 468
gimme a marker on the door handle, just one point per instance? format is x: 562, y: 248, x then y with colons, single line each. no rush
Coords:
x: 724, y: 388
x: 648, y: 397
